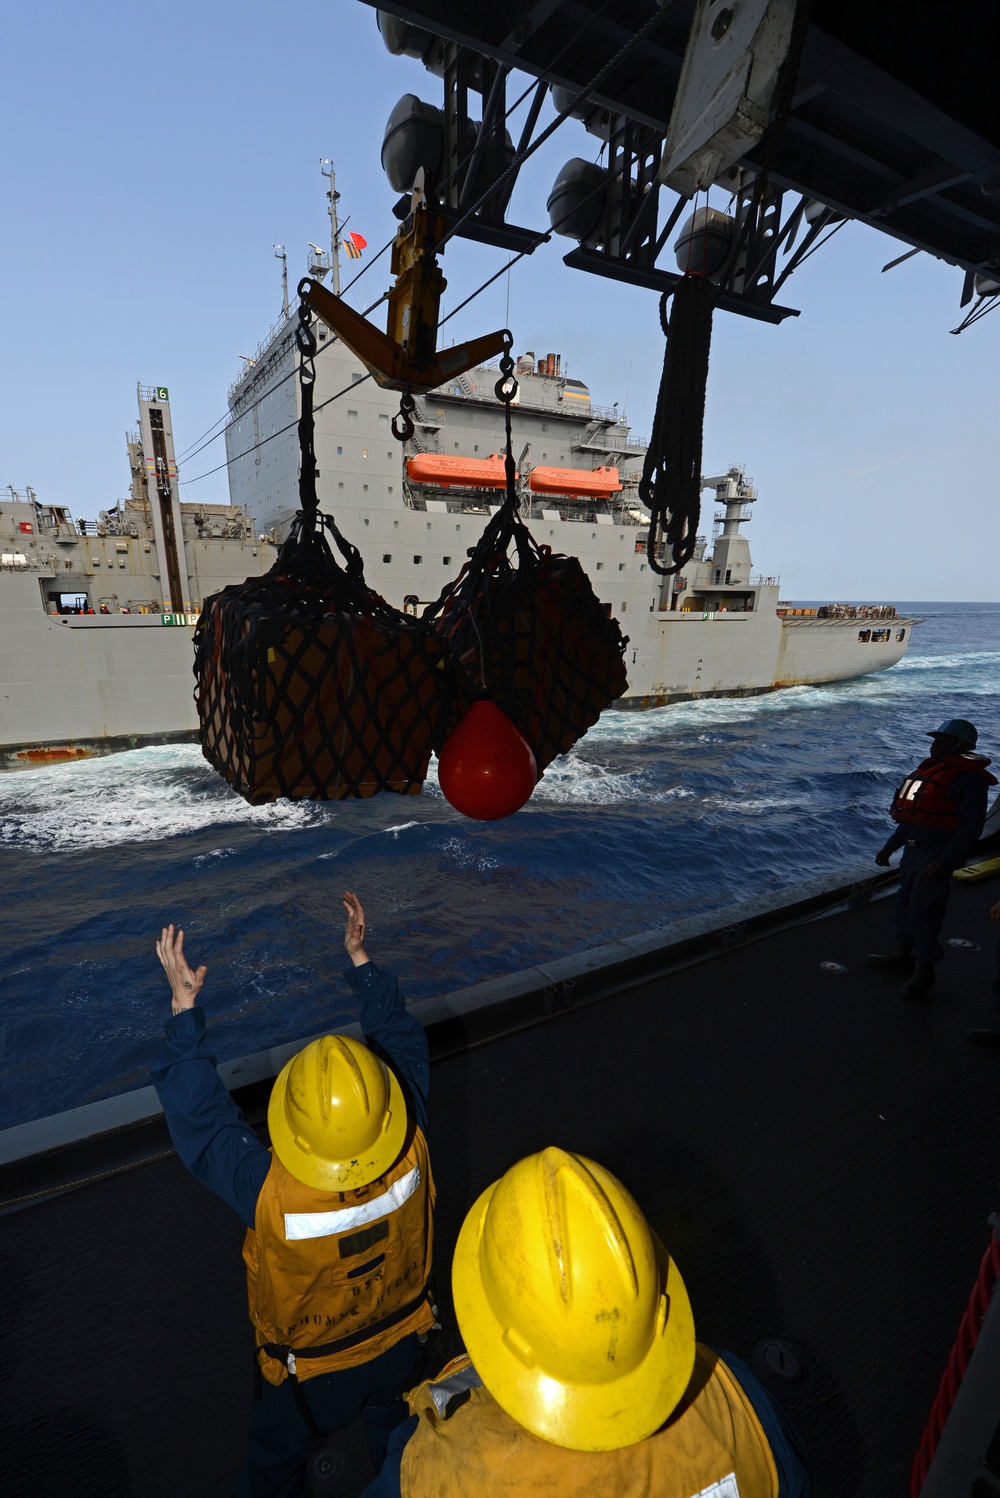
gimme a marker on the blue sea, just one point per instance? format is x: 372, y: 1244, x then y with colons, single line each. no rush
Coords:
x: 652, y: 816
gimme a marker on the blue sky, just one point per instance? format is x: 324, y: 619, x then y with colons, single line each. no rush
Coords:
x: 154, y: 155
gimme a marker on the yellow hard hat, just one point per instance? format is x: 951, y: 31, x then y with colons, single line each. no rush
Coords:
x: 570, y: 1307
x: 337, y: 1116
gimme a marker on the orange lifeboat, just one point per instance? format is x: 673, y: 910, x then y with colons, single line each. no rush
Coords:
x: 467, y: 473
x: 578, y: 483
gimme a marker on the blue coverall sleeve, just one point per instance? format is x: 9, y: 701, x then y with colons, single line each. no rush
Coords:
x: 970, y: 794
x: 387, y: 1023
x: 207, y: 1129
x: 388, y: 1483
x: 896, y: 840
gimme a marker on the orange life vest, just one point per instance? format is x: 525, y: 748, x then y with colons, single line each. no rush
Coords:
x: 335, y: 1278
x: 922, y: 800
x: 713, y: 1441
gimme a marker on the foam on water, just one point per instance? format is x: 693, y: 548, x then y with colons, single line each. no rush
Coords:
x: 154, y: 794
x: 650, y: 817
x: 146, y: 795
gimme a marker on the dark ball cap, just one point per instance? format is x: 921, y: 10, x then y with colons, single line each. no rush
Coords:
x: 957, y: 728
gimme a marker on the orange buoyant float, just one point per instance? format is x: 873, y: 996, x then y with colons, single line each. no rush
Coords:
x: 487, y: 769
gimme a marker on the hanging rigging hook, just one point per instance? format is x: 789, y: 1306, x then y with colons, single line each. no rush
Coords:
x: 402, y: 422
x: 305, y: 340
x: 505, y: 390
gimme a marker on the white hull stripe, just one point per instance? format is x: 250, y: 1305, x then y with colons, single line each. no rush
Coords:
x: 323, y: 1224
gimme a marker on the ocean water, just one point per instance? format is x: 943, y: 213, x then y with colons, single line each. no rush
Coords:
x: 652, y: 816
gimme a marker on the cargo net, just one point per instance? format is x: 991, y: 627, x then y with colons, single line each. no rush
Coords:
x: 533, y: 636
x: 311, y: 686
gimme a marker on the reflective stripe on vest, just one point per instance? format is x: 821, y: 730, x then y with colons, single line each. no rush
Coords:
x: 923, y: 801
x: 340, y: 1269
x: 712, y: 1446
x: 323, y: 1224
x: 444, y: 1390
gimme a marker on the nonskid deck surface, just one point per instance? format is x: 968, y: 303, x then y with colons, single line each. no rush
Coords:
x: 820, y: 1157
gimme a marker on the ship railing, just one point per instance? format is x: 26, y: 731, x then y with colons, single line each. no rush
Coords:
x: 258, y: 353
x: 18, y: 561
x: 764, y: 582
x: 857, y: 611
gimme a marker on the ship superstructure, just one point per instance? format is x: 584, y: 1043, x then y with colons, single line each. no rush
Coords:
x: 414, y: 510
x: 98, y: 615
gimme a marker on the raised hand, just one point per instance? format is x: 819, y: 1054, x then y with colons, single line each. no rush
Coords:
x: 185, y: 985
x: 354, y: 935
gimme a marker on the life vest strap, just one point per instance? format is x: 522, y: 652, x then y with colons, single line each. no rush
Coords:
x: 289, y: 1356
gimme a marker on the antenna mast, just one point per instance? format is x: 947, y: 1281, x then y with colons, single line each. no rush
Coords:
x: 279, y: 254
x: 326, y: 166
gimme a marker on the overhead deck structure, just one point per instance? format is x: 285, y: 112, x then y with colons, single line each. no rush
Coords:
x: 892, y: 118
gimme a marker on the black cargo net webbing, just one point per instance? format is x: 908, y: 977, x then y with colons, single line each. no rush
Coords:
x: 524, y: 627
x: 310, y: 685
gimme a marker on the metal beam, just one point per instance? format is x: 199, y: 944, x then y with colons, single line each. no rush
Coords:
x: 536, y: 17
x: 665, y: 280
x: 934, y: 177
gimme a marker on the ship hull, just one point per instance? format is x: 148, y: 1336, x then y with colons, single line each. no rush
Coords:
x: 682, y: 658
x: 76, y: 687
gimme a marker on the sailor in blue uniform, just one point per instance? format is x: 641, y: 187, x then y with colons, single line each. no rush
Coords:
x: 338, y: 1212
x: 940, y: 810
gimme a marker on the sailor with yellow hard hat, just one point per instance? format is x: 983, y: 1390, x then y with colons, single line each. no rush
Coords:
x: 583, y: 1376
x: 339, y: 1211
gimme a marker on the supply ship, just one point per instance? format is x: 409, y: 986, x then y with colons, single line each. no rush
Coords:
x: 99, y: 615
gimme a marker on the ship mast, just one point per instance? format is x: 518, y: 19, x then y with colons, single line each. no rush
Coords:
x: 326, y: 167
x: 279, y: 254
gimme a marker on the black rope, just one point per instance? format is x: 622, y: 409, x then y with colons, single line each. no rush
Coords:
x: 307, y: 345
x: 670, y: 487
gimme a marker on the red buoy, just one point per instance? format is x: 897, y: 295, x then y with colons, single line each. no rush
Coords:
x: 487, y: 769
